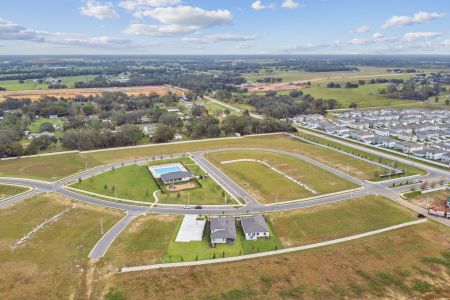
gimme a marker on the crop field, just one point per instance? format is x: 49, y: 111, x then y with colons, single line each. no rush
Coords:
x: 136, y: 183
x: 61, y: 165
x: 405, y: 263
x: 332, y: 221
x: 53, y: 264
x: 7, y: 191
x: 266, y: 184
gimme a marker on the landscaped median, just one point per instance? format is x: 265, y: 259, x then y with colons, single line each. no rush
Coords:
x: 8, y: 191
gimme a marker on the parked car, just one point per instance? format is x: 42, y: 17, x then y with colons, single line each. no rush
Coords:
x: 198, y: 207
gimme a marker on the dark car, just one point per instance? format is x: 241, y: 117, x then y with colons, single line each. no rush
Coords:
x: 198, y: 207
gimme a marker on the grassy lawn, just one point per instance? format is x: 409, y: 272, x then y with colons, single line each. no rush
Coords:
x: 47, y: 167
x: 136, y: 183
x: 131, y: 182
x: 264, y: 183
x: 145, y: 241
x: 364, y: 96
x: 409, y: 263
x: 7, y: 191
x: 35, y: 126
x: 57, y: 166
x: 201, y: 250
x: 331, y: 221
x: 53, y: 264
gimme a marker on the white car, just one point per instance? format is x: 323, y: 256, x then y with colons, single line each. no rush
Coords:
x: 187, y: 206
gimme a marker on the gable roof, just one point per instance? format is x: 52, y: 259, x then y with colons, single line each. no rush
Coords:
x: 254, y: 224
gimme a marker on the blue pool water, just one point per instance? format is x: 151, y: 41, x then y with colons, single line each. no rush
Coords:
x: 165, y: 170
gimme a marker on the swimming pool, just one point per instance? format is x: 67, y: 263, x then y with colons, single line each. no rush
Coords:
x: 159, y: 170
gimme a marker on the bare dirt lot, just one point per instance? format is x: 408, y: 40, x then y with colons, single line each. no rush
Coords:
x: 70, y: 93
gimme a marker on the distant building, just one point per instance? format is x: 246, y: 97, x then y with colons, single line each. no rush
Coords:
x: 223, y: 230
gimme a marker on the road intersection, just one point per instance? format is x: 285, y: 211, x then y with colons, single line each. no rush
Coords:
x: 251, y: 204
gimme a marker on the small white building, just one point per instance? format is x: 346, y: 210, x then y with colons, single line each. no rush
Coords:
x: 255, y: 227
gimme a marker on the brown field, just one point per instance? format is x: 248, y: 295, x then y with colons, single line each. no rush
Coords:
x: 409, y: 263
x: 70, y: 93
x: 437, y: 199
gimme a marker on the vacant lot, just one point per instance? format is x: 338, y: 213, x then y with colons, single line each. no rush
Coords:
x: 327, y: 222
x: 57, y: 166
x: 264, y: 183
x: 53, y: 264
x: 436, y: 199
x: 7, y: 191
x: 50, y: 168
x: 406, y: 263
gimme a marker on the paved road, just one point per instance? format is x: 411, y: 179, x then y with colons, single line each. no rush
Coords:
x: 229, y: 185
x: 108, y: 238
x: 270, y: 253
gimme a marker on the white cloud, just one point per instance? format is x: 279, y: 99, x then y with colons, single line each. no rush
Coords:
x: 258, y: 5
x: 413, y: 36
x: 14, y: 32
x: 358, y: 42
x: 363, y: 29
x: 98, y: 10
x: 378, y: 37
x: 290, y: 4
x: 215, y: 38
x: 141, y: 4
x: 243, y: 46
x: 417, y: 18
x: 179, y: 20
x: 446, y: 43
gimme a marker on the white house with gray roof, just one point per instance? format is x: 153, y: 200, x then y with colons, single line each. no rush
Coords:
x: 255, y: 227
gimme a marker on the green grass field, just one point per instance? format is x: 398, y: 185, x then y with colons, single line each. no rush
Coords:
x: 14, y: 85
x: 131, y: 182
x: 7, y: 191
x: 62, y: 165
x: 53, y: 264
x: 331, y: 221
x: 136, y: 183
x: 264, y: 183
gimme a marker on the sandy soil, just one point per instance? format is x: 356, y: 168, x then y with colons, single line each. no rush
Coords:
x: 70, y: 93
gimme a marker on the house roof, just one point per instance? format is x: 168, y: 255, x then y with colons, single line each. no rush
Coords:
x: 175, y: 175
x: 254, y: 224
x: 223, y: 228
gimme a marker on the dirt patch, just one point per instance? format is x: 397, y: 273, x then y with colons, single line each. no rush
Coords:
x: 181, y: 187
x: 71, y: 93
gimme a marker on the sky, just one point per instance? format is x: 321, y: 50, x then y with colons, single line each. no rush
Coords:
x: 224, y: 27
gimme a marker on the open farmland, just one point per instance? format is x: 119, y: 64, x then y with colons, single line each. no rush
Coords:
x: 266, y: 184
x: 72, y: 92
x: 30, y: 84
x: 53, y: 264
x: 7, y: 191
x: 61, y: 165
